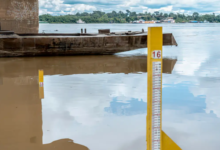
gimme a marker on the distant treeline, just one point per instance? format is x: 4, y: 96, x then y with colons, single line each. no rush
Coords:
x: 121, y: 17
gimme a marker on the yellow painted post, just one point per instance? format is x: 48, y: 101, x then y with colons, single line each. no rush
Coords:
x: 156, y: 138
x: 41, y: 84
x: 154, y: 89
x: 168, y: 143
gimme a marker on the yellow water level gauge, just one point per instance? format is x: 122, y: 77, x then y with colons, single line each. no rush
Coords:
x: 156, y: 138
x: 41, y: 84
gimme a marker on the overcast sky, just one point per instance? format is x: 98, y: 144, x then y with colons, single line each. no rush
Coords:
x: 57, y: 7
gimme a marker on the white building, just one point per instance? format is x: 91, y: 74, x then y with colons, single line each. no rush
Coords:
x: 169, y: 20
x: 139, y: 21
x: 80, y: 21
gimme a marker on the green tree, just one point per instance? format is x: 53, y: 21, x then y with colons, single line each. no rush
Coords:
x: 195, y: 15
x: 121, y: 17
x: 128, y: 12
x: 165, y: 15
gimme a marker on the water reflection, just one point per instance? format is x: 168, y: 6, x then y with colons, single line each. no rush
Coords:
x: 26, y: 68
x: 21, y: 115
x: 100, y: 102
x: 1, y: 79
x: 131, y: 107
x: 76, y: 97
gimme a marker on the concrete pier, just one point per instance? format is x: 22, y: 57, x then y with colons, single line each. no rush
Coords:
x: 20, y: 16
x: 17, y: 45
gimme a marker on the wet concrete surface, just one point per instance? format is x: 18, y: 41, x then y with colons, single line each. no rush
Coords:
x: 20, y: 16
x: 20, y: 45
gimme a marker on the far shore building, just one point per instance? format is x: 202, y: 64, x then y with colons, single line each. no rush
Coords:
x: 152, y: 21
x: 139, y: 21
x: 169, y: 20
x: 193, y: 21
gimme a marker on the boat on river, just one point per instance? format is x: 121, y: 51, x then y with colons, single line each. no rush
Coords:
x: 80, y: 21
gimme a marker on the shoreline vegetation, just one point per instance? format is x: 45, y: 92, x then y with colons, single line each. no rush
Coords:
x: 128, y: 17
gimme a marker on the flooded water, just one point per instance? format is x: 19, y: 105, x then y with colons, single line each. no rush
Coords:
x: 99, y: 102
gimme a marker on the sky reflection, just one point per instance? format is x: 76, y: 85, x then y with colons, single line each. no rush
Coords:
x: 116, y: 103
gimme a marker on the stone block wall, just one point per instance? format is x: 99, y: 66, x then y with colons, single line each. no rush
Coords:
x: 20, y: 16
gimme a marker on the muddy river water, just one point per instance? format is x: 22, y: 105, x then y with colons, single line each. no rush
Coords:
x: 99, y: 102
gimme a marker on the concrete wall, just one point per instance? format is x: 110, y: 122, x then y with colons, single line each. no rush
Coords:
x: 63, y: 45
x: 20, y: 16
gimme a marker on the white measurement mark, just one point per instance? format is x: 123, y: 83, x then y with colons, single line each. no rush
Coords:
x: 156, y: 102
x: 41, y: 84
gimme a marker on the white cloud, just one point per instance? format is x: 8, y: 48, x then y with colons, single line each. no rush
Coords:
x: 66, y: 105
x: 192, y: 131
x: 210, y: 88
x: 162, y: 9
x: 74, y: 108
x: 91, y: 94
x: 187, y: 6
x: 57, y: 7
